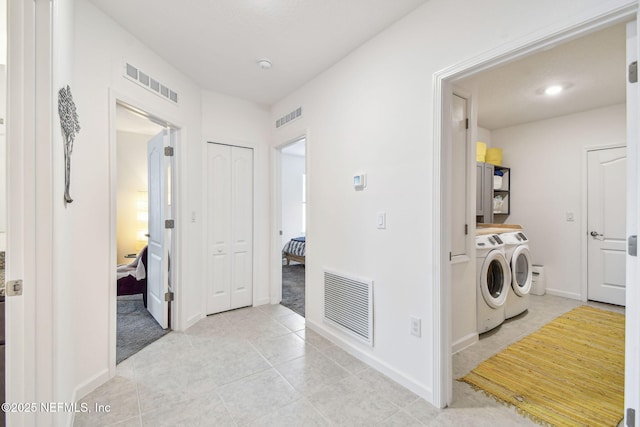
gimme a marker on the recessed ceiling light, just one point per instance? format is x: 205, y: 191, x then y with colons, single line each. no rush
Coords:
x: 264, y: 63
x: 553, y: 90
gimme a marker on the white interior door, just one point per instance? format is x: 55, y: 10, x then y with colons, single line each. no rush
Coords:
x: 219, y: 240
x: 459, y: 173
x: 632, y: 323
x: 157, y: 253
x: 606, y: 218
x: 242, y: 227
x: 230, y: 225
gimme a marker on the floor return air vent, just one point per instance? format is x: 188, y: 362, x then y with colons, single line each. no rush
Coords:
x: 348, y: 305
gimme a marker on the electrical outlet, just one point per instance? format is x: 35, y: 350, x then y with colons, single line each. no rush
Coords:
x: 416, y: 326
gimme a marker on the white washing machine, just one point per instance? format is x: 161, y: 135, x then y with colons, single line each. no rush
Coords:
x: 516, y: 247
x: 494, y: 279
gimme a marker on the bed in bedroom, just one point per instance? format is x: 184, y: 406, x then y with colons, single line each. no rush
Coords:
x: 294, y: 250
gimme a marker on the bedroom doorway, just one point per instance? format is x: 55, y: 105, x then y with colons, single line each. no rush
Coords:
x: 293, y: 216
x: 136, y: 323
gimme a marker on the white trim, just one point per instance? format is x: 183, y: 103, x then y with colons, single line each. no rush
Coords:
x: 347, y: 345
x: 632, y: 333
x: 20, y: 330
x: 584, y: 225
x: 459, y: 259
x: 117, y: 98
x: 464, y: 342
x: 563, y: 294
x: 603, y: 15
x: 275, y: 282
x: 275, y: 285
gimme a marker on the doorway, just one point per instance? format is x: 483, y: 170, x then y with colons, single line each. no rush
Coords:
x: 293, y: 216
x: 143, y: 268
x: 442, y: 278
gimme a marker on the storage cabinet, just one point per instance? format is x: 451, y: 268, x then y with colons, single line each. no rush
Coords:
x: 484, y: 194
x: 492, y: 192
x: 501, y: 190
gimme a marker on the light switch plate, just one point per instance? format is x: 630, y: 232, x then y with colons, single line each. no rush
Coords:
x: 381, y: 221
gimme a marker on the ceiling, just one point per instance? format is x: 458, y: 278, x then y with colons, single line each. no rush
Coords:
x: 593, y: 67
x: 225, y: 38
x: 217, y: 43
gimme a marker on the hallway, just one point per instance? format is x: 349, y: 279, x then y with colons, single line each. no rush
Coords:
x: 260, y: 366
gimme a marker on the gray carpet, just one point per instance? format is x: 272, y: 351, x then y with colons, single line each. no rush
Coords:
x: 136, y: 327
x: 293, y: 287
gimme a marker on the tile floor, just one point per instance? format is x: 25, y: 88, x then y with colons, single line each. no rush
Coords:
x: 274, y: 372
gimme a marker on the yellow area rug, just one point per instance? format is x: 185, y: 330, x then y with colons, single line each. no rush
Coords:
x: 568, y: 373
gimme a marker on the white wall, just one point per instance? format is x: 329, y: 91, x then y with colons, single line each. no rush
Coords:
x: 70, y: 239
x: 372, y: 113
x: 484, y: 135
x: 101, y: 48
x: 132, y: 179
x: 292, y: 170
x: 547, y: 160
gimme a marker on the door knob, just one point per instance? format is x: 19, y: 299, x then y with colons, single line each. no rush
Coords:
x: 595, y: 234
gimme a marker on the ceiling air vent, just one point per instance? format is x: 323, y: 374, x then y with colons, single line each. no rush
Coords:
x: 149, y: 83
x: 295, y: 114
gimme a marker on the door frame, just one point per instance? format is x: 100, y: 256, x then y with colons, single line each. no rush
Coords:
x: 592, y: 20
x: 584, y: 244
x: 118, y: 99
x: 275, y: 295
x: 29, y: 119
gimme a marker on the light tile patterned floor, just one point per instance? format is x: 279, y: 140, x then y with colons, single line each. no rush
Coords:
x: 272, y: 371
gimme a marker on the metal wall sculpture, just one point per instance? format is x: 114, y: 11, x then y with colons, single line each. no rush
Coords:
x: 70, y: 126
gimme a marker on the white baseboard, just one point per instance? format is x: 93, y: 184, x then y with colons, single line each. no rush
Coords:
x: 377, y: 364
x: 464, y: 342
x: 93, y: 383
x: 192, y: 321
x: 261, y: 301
x: 87, y: 387
x: 564, y: 294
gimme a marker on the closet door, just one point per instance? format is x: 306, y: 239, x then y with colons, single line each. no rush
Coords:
x: 230, y: 225
x: 241, y: 227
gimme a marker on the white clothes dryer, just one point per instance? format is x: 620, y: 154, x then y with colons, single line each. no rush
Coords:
x: 494, y: 279
x: 516, y: 246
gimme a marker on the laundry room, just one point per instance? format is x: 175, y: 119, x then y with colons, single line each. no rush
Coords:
x: 547, y: 136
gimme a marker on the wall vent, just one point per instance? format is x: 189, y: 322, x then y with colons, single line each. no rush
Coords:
x: 148, y: 82
x: 295, y: 114
x: 348, y: 305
